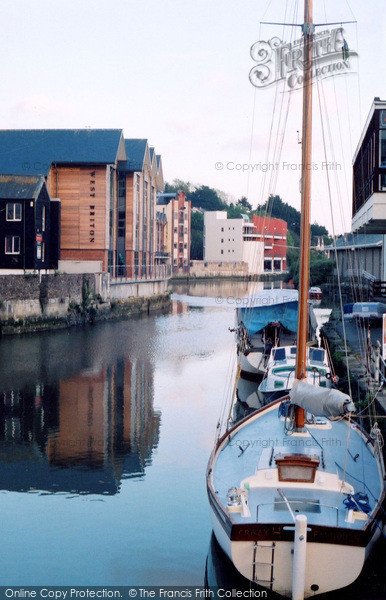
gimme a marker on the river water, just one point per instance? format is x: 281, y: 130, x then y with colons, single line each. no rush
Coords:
x: 105, y: 433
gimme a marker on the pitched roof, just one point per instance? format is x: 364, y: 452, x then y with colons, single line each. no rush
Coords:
x: 151, y: 150
x: 32, y: 151
x: 20, y: 187
x: 163, y: 199
x: 135, y: 152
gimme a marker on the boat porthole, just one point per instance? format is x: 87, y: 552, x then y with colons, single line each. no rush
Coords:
x: 314, y: 587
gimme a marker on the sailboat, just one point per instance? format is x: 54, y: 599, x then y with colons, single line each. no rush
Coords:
x: 296, y: 488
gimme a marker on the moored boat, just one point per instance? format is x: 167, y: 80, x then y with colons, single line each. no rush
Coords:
x: 296, y: 488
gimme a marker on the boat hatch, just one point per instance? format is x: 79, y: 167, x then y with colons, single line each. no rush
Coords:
x: 279, y: 354
x: 297, y: 467
x: 300, y: 505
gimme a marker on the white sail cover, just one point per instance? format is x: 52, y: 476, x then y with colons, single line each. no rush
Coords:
x: 321, y: 402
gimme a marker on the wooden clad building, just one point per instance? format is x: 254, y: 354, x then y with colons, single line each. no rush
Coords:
x: 107, y: 187
x: 79, y: 166
x: 139, y: 179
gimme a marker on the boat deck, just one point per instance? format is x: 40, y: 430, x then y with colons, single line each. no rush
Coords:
x: 247, y: 460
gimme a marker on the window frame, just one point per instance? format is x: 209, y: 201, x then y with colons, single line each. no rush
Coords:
x: 13, y: 205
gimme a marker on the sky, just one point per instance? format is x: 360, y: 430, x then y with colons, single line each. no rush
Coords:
x: 177, y: 73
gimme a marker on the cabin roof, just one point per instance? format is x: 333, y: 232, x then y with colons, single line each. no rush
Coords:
x: 20, y: 187
x: 33, y: 151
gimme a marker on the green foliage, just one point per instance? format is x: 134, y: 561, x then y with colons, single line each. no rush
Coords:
x: 207, y: 198
x: 197, y: 236
x: 234, y: 211
x: 177, y: 185
x: 321, y: 268
x: 244, y: 204
x: 275, y: 207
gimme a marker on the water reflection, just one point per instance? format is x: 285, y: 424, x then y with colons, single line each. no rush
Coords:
x: 217, y: 287
x: 82, y: 434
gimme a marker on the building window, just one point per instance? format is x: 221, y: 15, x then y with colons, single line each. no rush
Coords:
x: 222, y: 251
x: 382, y: 148
x: 277, y: 264
x: 222, y: 228
x: 43, y: 218
x: 268, y: 264
x: 175, y: 244
x: 12, y: 244
x: 382, y: 182
x: 13, y: 211
x: 222, y: 240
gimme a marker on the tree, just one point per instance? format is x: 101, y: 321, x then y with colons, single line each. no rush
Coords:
x: 275, y: 207
x: 177, y: 185
x: 206, y: 198
x: 244, y: 204
x: 321, y: 268
x: 197, y: 236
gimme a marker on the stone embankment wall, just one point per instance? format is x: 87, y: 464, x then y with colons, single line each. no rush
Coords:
x: 35, y: 303
x: 199, y: 268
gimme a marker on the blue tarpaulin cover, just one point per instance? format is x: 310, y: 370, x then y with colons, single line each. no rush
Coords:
x: 255, y: 319
x: 267, y: 306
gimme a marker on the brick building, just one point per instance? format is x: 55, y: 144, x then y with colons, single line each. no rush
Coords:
x: 273, y: 232
x: 178, y: 216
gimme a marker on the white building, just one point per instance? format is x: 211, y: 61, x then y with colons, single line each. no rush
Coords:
x: 232, y: 240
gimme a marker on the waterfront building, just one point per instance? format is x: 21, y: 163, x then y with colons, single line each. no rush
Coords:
x: 273, y: 233
x: 177, y: 209
x: 359, y: 255
x: 139, y: 178
x: 261, y: 243
x: 107, y: 187
x: 369, y: 178
x: 79, y: 166
x: 29, y: 224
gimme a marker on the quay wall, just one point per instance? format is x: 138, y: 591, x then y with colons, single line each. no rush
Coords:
x: 32, y: 302
x: 364, y: 389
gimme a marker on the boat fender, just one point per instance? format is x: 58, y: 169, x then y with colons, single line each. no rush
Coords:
x: 358, y: 500
x: 283, y: 408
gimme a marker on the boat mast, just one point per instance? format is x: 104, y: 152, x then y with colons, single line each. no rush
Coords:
x: 304, y: 275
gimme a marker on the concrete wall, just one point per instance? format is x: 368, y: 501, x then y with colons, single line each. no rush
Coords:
x: 138, y: 289
x: 80, y: 266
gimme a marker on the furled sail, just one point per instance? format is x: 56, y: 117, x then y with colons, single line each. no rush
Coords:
x: 321, y: 402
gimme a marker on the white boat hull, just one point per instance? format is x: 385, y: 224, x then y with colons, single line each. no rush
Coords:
x: 252, y: 363
x: 342, y: 563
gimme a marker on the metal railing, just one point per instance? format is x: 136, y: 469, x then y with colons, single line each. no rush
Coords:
x: 139, y: 272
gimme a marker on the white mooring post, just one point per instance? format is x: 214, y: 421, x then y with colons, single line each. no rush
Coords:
x: 299, y: 565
